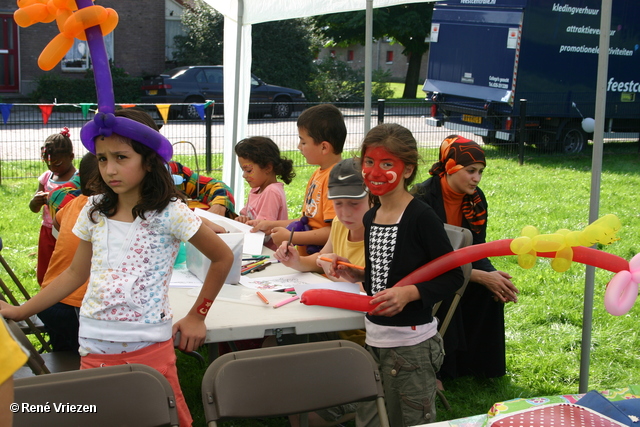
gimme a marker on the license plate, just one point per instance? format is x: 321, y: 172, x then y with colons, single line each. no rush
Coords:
x: 471, y: 119
x: 153, y: 92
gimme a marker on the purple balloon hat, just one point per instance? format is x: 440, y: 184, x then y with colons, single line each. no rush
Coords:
x: 105, y: 122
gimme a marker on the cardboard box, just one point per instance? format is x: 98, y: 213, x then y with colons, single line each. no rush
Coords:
x: 199, y: 264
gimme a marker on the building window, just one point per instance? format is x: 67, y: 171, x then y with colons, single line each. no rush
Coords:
x: 349, y: 56
x: 78, y: 57
x: 172, y: 28
x: 389, y: 57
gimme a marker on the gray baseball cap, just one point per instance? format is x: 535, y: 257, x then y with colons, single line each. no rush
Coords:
x: 345, y: 180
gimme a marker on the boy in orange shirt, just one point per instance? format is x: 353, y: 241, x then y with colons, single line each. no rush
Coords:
x: 322, y: 134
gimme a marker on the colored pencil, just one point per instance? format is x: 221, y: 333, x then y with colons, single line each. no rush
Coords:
x: 286, y: 301
x: 256, y: 258
x: 290, y: 240
x: 346, y: 264
x: 252, y: 265
x: 259, y: 268
x: 250, y: 269
x: 262, y: 297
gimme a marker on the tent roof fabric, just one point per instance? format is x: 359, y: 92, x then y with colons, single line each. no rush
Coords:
x: 256, y: 11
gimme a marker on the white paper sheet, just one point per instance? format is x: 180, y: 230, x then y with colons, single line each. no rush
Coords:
x: 301, y: 282
x: 253, y: 242
x: 277, y: 283
x: 183, y: 278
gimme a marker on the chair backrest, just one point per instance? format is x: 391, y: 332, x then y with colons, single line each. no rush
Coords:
x: 459, y: 237
x: 291, y: 379
x: 29, y: 325
x: 35, y: 361
x: 131, y: 395
x: 191, y: 151
x: 46, y: 363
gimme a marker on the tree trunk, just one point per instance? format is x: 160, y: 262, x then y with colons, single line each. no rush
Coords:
x: 413, y: 76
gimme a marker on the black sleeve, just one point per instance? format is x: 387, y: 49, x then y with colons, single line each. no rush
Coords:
x: 483, y: 264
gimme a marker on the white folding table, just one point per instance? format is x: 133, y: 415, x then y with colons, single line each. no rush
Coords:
x: 238, y: 313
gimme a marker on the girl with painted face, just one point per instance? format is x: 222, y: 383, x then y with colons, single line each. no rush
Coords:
x: 401, y: 235
x: 475, y: 342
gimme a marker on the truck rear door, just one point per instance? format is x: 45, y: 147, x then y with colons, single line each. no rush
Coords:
x: 473, y: 56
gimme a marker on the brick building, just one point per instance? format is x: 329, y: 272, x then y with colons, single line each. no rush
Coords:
x: 140, y: 44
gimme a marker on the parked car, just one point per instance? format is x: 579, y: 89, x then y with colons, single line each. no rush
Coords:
x: 201, y: 83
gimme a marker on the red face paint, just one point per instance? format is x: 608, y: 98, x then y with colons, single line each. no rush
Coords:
x: 381, y: 170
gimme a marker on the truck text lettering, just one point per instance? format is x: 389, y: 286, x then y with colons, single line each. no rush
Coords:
x: 614, y: 86
x: 573, y: 10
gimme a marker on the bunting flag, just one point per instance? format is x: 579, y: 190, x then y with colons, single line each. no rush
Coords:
x: 5, y: 109
x: 127, y: 105
x: 85, y: 110
x: 163, y: 109
x: 200, y: 109
x: 46, y: 112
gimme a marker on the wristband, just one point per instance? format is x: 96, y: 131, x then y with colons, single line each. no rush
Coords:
x: 204, y: 307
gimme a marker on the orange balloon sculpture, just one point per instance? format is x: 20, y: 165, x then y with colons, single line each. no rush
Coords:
x: 71, y: 22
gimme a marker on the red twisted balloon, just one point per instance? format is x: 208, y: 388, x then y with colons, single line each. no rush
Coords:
x: 440, y: 265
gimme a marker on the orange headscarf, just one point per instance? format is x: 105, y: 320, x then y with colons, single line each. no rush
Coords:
x: 456, y: 153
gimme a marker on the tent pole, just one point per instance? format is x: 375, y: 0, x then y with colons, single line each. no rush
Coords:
x: 368, y: 59
x: 596, y: 170
x: 236, y: 96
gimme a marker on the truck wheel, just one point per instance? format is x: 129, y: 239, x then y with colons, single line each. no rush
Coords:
x: 573, y: 139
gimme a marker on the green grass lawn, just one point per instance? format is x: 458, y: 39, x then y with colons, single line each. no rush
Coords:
x: 543, y: 329
x: 398, y: 89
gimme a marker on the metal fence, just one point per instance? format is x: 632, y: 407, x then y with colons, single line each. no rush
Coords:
x: 24, y: 129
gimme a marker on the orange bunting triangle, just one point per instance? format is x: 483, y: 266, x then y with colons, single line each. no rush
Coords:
x: 127, y: 105
x: 163, y: 109
x: 46, y: 112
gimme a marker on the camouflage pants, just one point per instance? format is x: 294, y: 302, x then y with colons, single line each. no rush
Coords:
x: 409, y: 382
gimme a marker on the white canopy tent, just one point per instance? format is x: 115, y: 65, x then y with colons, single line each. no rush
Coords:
x: 241, y: 14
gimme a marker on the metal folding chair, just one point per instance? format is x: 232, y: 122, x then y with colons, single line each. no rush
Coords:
x: 133, y: 395
x: 46, y: 363
x: 29, y: 326
x: 459, y: 237
x: 292, y: 379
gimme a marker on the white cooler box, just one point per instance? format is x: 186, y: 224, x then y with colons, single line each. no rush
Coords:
x: 199, y: 264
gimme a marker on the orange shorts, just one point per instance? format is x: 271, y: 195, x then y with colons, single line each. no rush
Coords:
x: 161, y: 357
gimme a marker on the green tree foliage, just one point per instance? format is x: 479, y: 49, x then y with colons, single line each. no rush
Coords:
x: 336, y: 81
x: 203, y: 43
x: 70, y: 90
x: 406, y: 24
x: 281, y: 50
x: 282, y: 53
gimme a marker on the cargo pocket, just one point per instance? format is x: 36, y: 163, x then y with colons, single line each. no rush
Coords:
x: 414, y: 398
x: 436, y: 347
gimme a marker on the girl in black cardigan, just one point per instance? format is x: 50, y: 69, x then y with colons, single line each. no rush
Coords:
x: 401, y: 235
